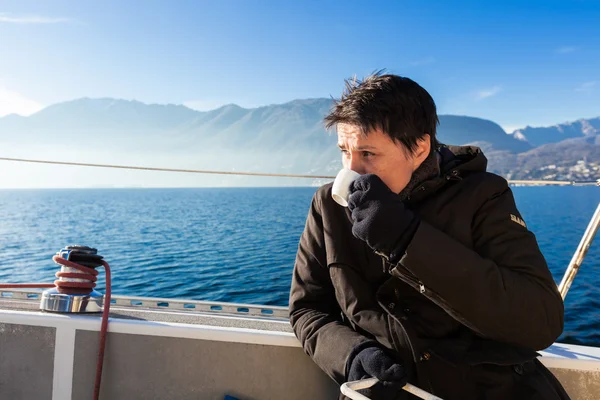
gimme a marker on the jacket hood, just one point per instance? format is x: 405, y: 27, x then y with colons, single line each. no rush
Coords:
x: 456, y: 162
x: 465, y: 159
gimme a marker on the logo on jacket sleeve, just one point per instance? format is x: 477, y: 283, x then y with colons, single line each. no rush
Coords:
x: 518, y: 220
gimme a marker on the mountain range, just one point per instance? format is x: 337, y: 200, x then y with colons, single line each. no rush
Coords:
x: 280, y: 138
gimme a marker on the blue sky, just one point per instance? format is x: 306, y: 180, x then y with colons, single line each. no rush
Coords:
x: 514, y: 63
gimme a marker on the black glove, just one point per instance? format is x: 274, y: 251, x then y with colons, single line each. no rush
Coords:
x: 380, y: 217
x: 373, y: 362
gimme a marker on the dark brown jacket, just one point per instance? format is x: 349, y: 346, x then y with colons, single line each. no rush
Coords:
x: 465, y: 309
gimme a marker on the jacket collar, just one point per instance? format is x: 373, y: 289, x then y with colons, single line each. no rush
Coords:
x: 455, y: 162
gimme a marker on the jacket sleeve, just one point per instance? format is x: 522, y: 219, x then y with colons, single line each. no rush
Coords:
x: 314, y: 312
x: 502, y: 288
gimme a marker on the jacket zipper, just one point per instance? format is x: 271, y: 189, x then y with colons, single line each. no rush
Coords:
x: 408, y: 338
x: 420, y: 286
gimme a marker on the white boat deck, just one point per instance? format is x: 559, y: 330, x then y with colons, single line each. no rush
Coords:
x: 157, y: 350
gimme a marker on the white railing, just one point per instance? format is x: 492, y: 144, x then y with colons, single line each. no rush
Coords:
x: 350, y: 389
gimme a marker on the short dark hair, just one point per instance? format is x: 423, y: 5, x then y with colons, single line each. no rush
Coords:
x: 397, y: 105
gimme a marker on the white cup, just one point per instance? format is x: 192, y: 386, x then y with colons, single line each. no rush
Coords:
x: 341, y: 186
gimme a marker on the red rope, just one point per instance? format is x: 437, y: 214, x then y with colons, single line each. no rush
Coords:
x: 103, y: 330
x: 69, y: 287
x: 26, y: 285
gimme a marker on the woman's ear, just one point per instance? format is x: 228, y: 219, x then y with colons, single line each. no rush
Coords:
x: 422, y: 151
